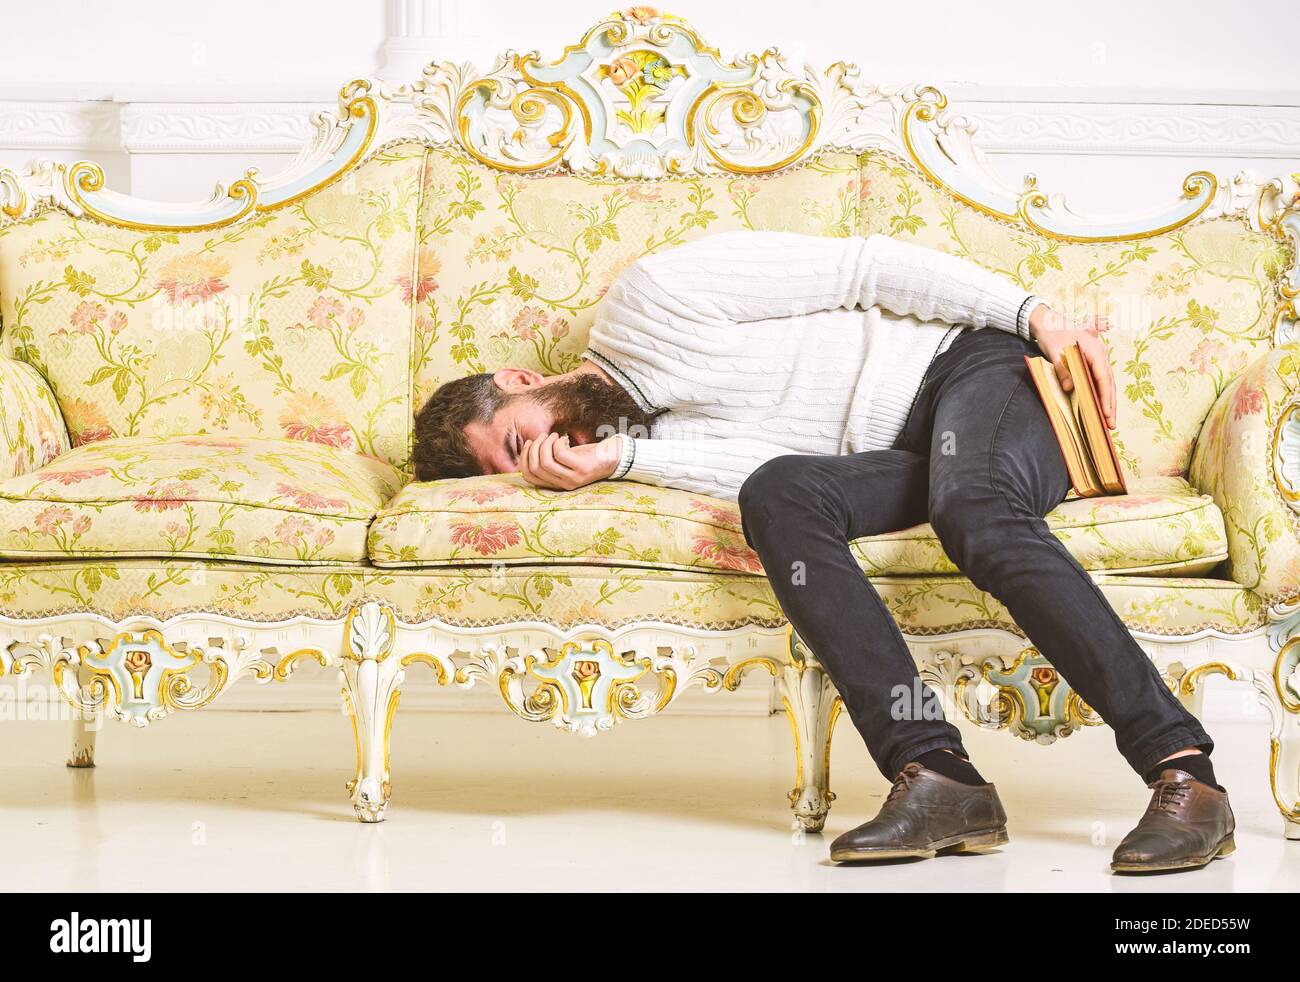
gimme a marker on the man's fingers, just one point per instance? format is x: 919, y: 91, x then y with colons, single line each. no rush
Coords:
x: 566, y: 456
x: 537, y: 470
x: 1102, y: 376
x: 1063, y: 373
x: 531, y: 476
x: 537, y: 456
x: 553, y: 463
x: 526, y: 467
x: 558, y: 474
x: 530, y: 465
x: 549, y: 463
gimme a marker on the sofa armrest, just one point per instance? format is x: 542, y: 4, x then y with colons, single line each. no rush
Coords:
x: 31, y: 423
x: 1247, y: 458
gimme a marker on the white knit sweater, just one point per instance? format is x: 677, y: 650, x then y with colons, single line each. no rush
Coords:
x: 749, y: 345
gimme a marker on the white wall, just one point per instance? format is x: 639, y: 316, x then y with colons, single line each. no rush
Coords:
x: 1187, y: 45
x: 1113, y: 102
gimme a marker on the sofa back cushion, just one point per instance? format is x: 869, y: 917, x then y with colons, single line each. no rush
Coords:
x: 515, y: 265
x: 294, y: 323
x: 1188, y: 308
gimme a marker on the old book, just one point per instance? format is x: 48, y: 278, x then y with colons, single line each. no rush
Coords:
x: 1079, y: 425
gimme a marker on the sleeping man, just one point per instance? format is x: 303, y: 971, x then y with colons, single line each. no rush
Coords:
x: 840, y: 388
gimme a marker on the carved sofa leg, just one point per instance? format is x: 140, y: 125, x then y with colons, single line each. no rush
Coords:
x: 1284, y: 772
x: 371, y: 688
x: 84, y: 728
x: 83, y: 741
x: 1279, y: 692
x: 813, y: 706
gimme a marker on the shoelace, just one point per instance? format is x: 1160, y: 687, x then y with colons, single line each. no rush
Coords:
x: 1169, y: 794
x: 902, y: 783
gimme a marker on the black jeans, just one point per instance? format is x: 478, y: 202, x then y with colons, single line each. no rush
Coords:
x: 978, y: 460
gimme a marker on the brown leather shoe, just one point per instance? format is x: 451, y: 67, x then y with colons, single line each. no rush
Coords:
x: 926, y: 813
x: 1186, y: 825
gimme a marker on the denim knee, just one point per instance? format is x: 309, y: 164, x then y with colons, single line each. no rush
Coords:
x: 972, y: 527
x: 776, y: 491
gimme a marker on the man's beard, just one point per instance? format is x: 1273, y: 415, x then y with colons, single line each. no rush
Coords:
x: 586, y: 408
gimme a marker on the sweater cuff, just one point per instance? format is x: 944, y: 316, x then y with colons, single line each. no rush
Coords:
x: 649, y: 461
x: 1032, y: 303
x: 625, y: 458
x: 1003, y: 305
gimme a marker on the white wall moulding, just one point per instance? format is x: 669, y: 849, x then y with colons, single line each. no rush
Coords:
x: 154, y: 127
x: 93, y: 127
x: 1160, y: 129
x: 1052, y: 126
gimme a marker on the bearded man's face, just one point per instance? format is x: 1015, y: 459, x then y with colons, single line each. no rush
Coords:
x: 583, y: 407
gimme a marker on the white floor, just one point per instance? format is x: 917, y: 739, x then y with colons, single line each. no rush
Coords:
x: 218, y: 801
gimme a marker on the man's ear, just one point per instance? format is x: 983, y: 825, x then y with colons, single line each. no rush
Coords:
x: 515, y: 380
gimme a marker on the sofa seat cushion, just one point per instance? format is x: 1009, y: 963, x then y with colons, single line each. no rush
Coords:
x: 268, y: 500
x: 1164, y: 526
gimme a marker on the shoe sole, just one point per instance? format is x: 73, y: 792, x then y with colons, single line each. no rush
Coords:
x: 1226, y: 847
x: 965, y: 842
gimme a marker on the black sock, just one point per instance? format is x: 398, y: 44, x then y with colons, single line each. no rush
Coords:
x: 1198, y: 765
x: 952, y: 766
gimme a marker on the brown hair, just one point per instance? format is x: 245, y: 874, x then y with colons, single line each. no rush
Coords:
x: 441, y: 448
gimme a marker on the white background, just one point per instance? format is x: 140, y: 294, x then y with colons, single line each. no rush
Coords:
x: 1190, y: 44
x: 1112, y: 101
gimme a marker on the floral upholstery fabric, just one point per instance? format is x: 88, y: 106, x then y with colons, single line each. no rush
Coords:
x: 294, y: 324
x: 1188, y: 309
x: 279, y: 501
x: 563, y: 596
x: 30, y: 422
x: 1235, y: 462
x: 517, y: 264
x: 1162, y: 526
x: 241, y: 403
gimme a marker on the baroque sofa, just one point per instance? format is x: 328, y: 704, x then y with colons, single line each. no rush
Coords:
x: 207, y: 409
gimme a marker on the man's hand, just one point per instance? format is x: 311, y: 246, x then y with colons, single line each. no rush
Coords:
x: 1054, y: 333
x: 551, y: 463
